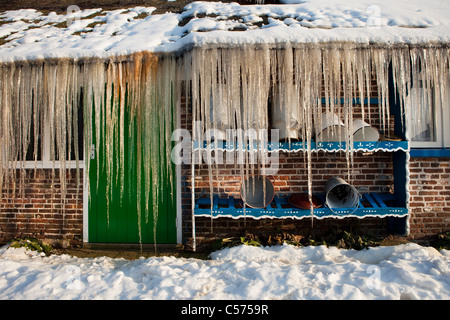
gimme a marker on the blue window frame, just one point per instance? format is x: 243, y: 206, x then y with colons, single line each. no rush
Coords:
x: 429, y: 121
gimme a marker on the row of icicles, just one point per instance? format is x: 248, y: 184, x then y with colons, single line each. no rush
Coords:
x: 40, y: 101
x: 228, y: 88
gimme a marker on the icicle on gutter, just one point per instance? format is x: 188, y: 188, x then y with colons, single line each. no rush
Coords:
x: 40, y: 99
x: 142, y: 85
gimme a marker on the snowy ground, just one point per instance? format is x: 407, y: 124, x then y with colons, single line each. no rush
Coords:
x: 406, y: 271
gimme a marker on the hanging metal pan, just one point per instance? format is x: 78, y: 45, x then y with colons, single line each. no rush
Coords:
x: 252, y: 192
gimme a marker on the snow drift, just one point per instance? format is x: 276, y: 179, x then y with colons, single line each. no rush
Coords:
x: 284, y: 272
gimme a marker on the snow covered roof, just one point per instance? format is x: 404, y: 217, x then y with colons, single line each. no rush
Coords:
x: 29, y: 34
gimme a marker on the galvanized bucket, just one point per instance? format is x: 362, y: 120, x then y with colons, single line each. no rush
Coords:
x: 332, y: 129
x: 362, y: 131
x: 252, y: 192
x: 340, y: 194
x: 288, y: 125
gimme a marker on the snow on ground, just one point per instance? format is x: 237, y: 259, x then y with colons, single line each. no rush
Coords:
x: 406, y: 271
x: 29, y: 34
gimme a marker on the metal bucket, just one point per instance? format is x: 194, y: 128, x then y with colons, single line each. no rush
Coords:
x: 220, y: 119
x: 288, y: 125
x: 362, y: 131
x: 339, y: 194
x: 332, y: 129
x: 252, y: 192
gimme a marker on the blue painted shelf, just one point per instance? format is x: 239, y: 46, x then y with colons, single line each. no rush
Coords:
x: 370, y: 205
x: 366, y: 146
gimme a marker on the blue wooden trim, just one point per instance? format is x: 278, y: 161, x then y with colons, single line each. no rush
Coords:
x: 371, y: 200
x: 278, y: 203
x: 442, y: 152
x: 231, y: 202
x: 381, y: 210
x: 361, y: 204
x: 216, y: 203
x: 367, y: 146
x: 373, y: 101
x: 379, y: 200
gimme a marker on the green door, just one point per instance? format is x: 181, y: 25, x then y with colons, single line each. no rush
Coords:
x: 114, y: 215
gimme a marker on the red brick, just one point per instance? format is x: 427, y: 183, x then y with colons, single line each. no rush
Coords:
x: 36, y: 212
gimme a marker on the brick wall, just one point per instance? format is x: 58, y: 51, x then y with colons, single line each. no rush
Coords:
x: 429, y: 196
x: 32, y: 208
x: 370, y: 173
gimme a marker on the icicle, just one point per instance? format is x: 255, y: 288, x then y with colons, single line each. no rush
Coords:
x: 40, y: 99
x: 368, y: 78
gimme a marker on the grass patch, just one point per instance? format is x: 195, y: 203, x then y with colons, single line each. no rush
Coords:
x: 3, y: 40
x: 99, y: 13
x: 92, y: 25
x: 441, y: 241
x: 142, y: 15
x: 340, y: 239
x: 60, y: 6
x: 32, y: 244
